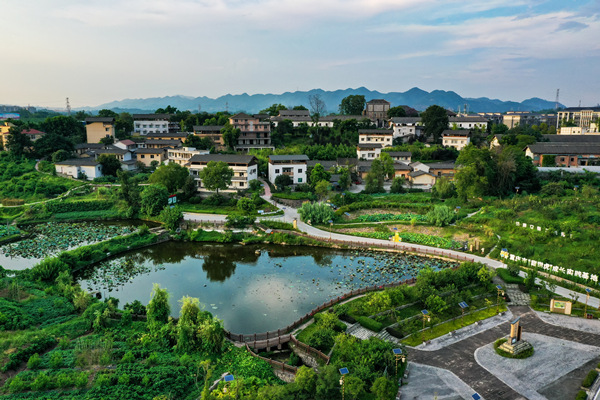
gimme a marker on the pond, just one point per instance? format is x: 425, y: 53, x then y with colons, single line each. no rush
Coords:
x: 251, y: 288
x: 51, y: 238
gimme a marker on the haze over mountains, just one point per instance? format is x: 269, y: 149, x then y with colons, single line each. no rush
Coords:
x: 415, y: 97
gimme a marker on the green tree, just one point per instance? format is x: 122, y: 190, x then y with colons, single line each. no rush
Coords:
x: 170, y: 217
x: 172, y: 176
x: 435, y: 304
x: 50, y: 143
x: 198, y: 143
x: 383, y: 388
x: 130, y: 192
x: 344, y: 180
x: 354, y: 387
x: 189, y: 187
x: 387, y: 163
x: 352, y: 105
x: 440, y: 216
x: 435, y: 120
x: 321, y: 189
x: 216, y: 175
x: 485, y: 275
x: 154, y: 199
x: 66, y: 126
x: 246, y: 206
x: 230, y: 136
x: 316, y: 213
x: 158, y: 309
x: 443, y: 188
x: 18, y: 143
x: 110, y: 165
x: 273, y: 111
x: 60, y: 155
x: 318, y: 174
x: 475, y: 172
x: 396, y: 112
x: 123, y: 125
x: 282, y: 181
x: 398, y: 185
x: 107, y: 113
x: 306, y: 379
x: 374, y: 180
x: 328, y: 387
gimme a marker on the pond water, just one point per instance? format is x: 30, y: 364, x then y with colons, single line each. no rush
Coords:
x: 49, y: 239
x: 251, y: 288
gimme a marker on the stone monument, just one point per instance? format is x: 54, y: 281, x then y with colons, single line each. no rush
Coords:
x: 514, y: 345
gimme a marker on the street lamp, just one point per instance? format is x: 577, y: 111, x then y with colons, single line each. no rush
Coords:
x: 399, y: 356
x: 517, y: 189
x: 344, y: 198
x: 463, y: 306
x: 426, y: 317
x: 227, y: 379
x: 498, y: 298
x: 330, y: 228
x: 343, y: 371
x: 587, y: 297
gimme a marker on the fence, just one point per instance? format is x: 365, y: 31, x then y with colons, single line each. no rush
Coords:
x: 279, y: 365
x: 310, y: 350
x: 259, y: 337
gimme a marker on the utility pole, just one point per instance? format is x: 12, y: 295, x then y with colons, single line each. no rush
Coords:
x: 68, y: 107
x: 556, y: 103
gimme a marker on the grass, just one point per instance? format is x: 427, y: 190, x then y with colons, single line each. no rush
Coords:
x: 526, y: 354
x: 508, y: 278
x: 278, y: 225
x: 447, y: 327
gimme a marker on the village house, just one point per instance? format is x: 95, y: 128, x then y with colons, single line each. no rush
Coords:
x: 371, y: 136
x: 144, y: 124
x: 406, y: 127
x: 245, y: 168
x: 126, y: 145
x: 182, y: 155
x: 564, y: 154
x: 254, y: 133
x: 515, y: 118
x: 97, y: 128
x: 159, y: 144
x: 368, y: 151
x: 212, y: 132
x: 295, y: 166
x: 377, y: 111
x: 404, y: 156
x: 147, y: 156
x: 77, y: 168
x: 467, y: 122
x: 458, y: 139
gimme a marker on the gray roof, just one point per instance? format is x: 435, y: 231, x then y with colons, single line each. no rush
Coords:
x: 576, y: 109
x: 242, y: 116
x: 327, y: 164
x: 90, y: 120
x: 364, y: 166
x: 369, y: 146
x: 89, y: 146
x: 565, y: 148
x: 441, y: 165
x: 343, y: 161
x: 82, y: 162
x: 400, y: 153
x: 294, y: 113
x: 153, y: 117
x: 414, y: 174
x: 572, y: 138
x: 170, y: 142
x: 402, y: 167
x: 114, y: 150
x: 228, y: 158
x: 406, y: 120
x: 171, y: 135
x: 208, y: 128
x: 378, y: 101
x: 150, y: 151
x: 456, y: 132
x: 291, y: 157
x: 298, y: 118
x: 468, y: 118
x: 342, y: 117
x: 375, y: 131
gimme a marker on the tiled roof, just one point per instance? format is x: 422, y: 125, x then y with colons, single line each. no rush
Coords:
x: 84, y: 162
x: 565, y: 148
x: 572, y: 138
x: 291, y: 157
x: 228, y: 158
x: 375, y: 131
x: 400, y: 153
x: 369, y: 146
x: 406, y: 120
x: 457, y: 132
x: 33, y: 132
x: 208, y: 128
x: 441, y: 165
x: 152, y: 117
x: 150, y: 151
x: 99, y: 119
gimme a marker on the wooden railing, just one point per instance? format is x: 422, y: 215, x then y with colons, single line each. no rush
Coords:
x: 310, y: 350
x: 277, y: 364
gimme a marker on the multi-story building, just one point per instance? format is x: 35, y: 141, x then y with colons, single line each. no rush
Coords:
x: 294, y: 166
x: 406, y: 127
x: 377, y: 111
x: 181, y: 136
x: 148, y: 156
x: 467, y: 122
x: 126, y: 157
x: 159, y: 144
x: 456, y: 138
x: 368, y: 151
x: 564, y: 154
x: 583, y: 117
x: 254, y: 133
x: 245, y: 168
x: 513, y: 118
x: 182, y: 155
x: 97, y: 128
x: 373, y: 136
x: 402, y: 156
x: 144, y: 124
x: 212, y: 132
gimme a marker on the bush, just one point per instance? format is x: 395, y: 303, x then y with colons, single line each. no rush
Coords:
x: 56, y: 207
x: 38, y: 346
x: 128, y: 358
x: 369, y: 323
x: 239, y: 221
x: 56, y: 360
x: 34, y: 361
x: 16, y: 385
x: 316, y: 213
x: 581, y: 395
x: 440, y: 216
x: 82, y: 380
x: 590, y: 378
x: 48, y: 269
x: 64, y: 380
x: 322, y: 339
x: 41, y: 382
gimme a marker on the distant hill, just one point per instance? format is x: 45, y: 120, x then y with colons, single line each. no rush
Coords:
x: 415, y: 97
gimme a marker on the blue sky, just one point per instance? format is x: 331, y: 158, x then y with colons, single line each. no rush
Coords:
x: 102, y: 50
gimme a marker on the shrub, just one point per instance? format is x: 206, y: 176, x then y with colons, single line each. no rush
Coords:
x: 128, y: 358
x: 394, y: 332
x: 34, y: 361
x: 48, y: 269
x: 38, y: 346
x: 322, y: 339
x: 440, y: 216
x: 239, y: 221
x: 316, y: 213
x: 17, y: 385
x: 64, y: 380
x: 581, y: 395
x: 82, y: 380
x: 590, y: 378
x: 56, y: 360
x: 103, y: 380
x: 41, y: 382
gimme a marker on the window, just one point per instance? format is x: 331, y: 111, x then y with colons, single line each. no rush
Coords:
x: 276, y: 171
x: 107, y: 129
x: 300, y: 171
x: 151, y: 155
x: 142, y: 156
x: 299, y: 180
x: 241, y: 183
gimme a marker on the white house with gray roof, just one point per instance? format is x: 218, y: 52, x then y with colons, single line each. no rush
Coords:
x: 79, y: 167
x: 245, y: 168
x: 293, y: 165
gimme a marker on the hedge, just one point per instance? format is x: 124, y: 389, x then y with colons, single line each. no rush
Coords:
x: 369, y: 323
x: 590, y: 378
x: 294, y: 196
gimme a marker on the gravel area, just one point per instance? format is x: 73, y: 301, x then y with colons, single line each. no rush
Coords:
x: 534, y: 373
x: 467, y: 331
x: 426, y: 382
x: 579, y: 324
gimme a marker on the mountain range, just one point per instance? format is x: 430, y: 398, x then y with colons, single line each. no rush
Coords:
x: 415, y: 98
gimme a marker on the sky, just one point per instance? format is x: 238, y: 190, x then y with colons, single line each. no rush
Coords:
x: 96, y: 51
